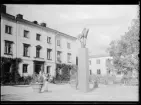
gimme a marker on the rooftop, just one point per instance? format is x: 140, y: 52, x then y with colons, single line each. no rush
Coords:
x: 99, y: 56
x: 37, y: 25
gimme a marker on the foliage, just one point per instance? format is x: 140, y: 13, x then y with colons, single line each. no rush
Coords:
x: 64, y: 75
x: 129, y: 81
x: 125, y: 51
x: 105, y: 79
x: 13, y: 76
x: 37, y: 78
x: 28, y: 79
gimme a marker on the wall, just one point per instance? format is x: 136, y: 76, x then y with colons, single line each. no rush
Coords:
x: 18, y: 38
x: 33, y: 42
x: 9, y: 37
x: 102, y: 66
x: 63, y: 48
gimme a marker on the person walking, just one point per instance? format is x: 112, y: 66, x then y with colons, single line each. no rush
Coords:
x: 76, y: 80
x: 45, y: 82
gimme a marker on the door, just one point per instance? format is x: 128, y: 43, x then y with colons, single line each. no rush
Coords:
x: 48, y: 69
x: 37, y: 68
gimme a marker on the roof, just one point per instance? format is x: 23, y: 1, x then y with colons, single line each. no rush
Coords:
x: 53, y: 30
x: 36, y: 25
x: 98, y: 56
x: 8, y: 16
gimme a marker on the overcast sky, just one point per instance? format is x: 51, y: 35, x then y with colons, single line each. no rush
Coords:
x: 105, y: 22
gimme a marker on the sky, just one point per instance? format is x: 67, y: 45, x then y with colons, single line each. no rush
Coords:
x: 105, y: 22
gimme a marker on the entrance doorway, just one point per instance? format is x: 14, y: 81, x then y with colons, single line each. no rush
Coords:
x: 6, y: 67
x: 38, y: 66
x: 48, y: 69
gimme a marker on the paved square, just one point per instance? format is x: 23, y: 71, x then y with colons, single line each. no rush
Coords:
x: 67, y: 93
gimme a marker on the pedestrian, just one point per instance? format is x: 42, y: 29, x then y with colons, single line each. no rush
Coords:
x: 76, y: 80
x: 45, y: 82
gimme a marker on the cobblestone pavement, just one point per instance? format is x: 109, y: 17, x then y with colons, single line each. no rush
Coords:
x: 67, y: 93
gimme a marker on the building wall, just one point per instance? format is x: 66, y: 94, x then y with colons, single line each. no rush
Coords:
x: 18, y: 38
x: 9, y: 37
x: 33, y: 42
x: 63, y: 48
x: 102, y: 66
x: 30, y: 68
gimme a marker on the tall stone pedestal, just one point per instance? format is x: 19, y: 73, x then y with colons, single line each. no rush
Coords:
x: 83, y: 70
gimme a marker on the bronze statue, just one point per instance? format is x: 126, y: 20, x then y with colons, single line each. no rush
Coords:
x: 82, y: 37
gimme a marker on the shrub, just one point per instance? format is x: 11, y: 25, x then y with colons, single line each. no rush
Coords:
x: 102, y: 79
x: 93, y: 78
x: 13, y: 76
x: 27, y: 80
x: 36, y: 78
x: 65, y: 75
x: 134, y: 81
x: 129, y: 80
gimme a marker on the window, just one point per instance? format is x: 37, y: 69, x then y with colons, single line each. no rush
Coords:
x: 38, y: 37
x: 8, y: 47
x: 89, y: 62
x: 59, y: 56
x: 26, y: 33
x: 26, y: 50
x: 8, y: 29
x: 68, y: 45
x: 58, y: 42
x: 69, y: 57
x: 48, y: 39
x: 98, y: 61
x: 38, y: 48
x: 76, y: 60
x: 90, y: 72
x: 48, y: 69
x: 49, y: 54
x: 98, y: 71
x: 108, y: 71
x: 25, y: 68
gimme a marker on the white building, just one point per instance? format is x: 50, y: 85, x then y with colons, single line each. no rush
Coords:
x: 39, y: 46
x: 99, y: 64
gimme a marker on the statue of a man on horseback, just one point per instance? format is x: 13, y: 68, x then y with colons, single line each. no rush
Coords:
x: 82, y: 37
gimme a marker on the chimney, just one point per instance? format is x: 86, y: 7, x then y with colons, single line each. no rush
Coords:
x: 3, y: 8
x: 43, y: 24
x: 35, y: 22
x: 20, y: 16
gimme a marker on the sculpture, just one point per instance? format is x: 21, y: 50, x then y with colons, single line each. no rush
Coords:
x: 82, y: 37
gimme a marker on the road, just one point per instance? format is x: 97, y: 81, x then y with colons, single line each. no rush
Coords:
x: 67, y: 93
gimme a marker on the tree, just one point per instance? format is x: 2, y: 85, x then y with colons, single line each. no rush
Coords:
x: 13, y: 75
x: 125, y: 51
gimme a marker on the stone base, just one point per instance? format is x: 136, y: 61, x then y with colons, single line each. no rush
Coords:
x: 83, y: 70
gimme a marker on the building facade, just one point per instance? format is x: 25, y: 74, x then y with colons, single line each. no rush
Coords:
x: 99, y: 65
x: 39, y: 46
